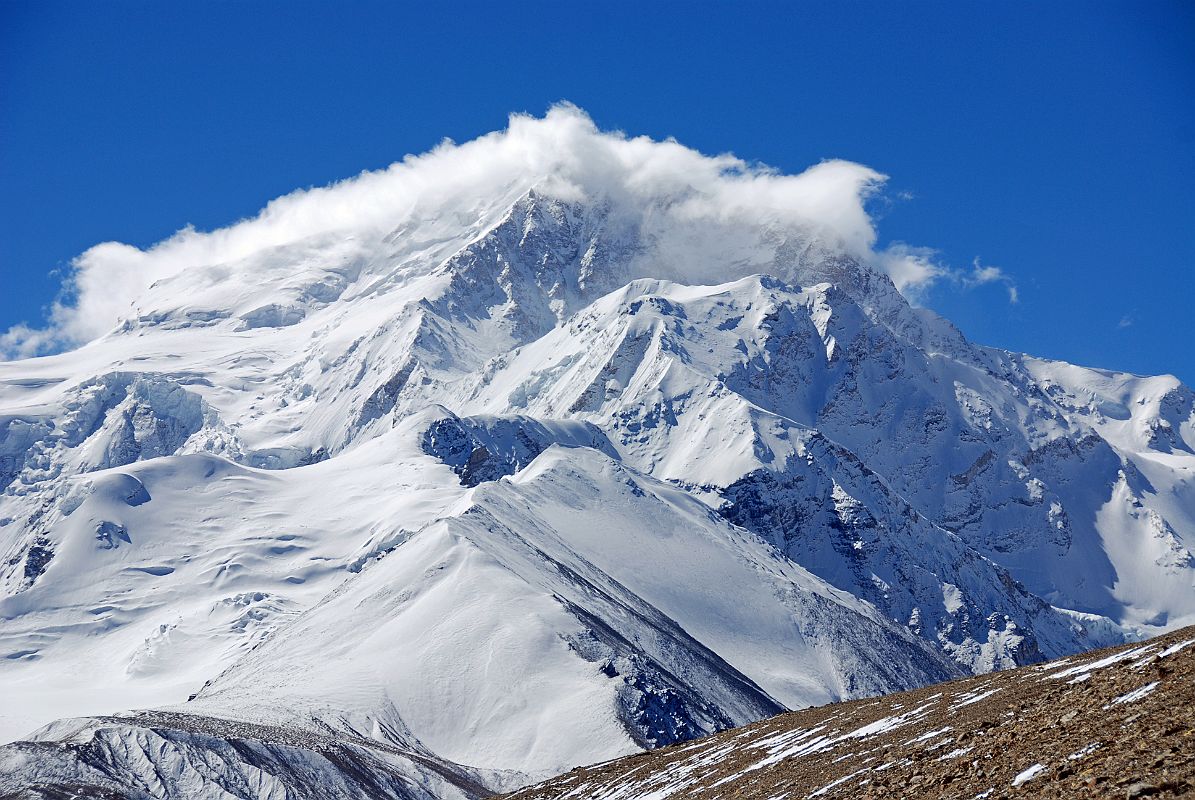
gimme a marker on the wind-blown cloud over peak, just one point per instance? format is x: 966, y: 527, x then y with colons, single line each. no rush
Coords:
x: 562, y: 155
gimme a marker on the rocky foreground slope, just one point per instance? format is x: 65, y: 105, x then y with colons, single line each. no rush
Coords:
x: 1118, y: 722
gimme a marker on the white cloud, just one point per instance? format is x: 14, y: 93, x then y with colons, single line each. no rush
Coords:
x: 21, y: 341
x: 912, y: 269
x: 694, y: 198
x: 986, y: 274
x: 981, y: 275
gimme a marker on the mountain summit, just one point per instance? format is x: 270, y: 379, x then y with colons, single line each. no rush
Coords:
x: 536, y: 451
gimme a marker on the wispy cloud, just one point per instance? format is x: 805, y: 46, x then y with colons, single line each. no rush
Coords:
x: 981, y: 274
x: 22, y: 341
x: 913, y: 269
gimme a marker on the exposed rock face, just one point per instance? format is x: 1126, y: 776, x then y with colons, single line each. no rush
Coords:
x: 481, y: 449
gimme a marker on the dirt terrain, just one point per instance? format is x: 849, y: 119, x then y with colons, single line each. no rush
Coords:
x: 1114, y: 723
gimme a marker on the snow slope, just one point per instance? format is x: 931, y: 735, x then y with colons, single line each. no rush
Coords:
x: 630, y: 618
x: 545, y: 448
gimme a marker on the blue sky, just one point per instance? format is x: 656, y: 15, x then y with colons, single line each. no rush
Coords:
x: 1056, y: 141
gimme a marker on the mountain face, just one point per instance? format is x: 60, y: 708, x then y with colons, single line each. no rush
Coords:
x: 443, y: 504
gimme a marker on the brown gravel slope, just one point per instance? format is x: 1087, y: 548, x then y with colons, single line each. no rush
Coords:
x: 1114, y: 723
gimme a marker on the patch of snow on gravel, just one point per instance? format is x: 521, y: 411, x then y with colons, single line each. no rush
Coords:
x: 1133, y: 696
x: 1029, y: 774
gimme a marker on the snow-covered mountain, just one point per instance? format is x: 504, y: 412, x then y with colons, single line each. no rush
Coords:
x: 536, y: 451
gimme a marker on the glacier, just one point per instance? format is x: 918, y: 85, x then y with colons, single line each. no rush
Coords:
x: 533, y: 452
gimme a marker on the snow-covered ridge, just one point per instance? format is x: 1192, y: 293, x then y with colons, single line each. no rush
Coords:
x: 603, y: 447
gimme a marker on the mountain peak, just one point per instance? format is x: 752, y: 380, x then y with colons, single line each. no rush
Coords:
x: 696, y: 218
x: 539, y: 450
